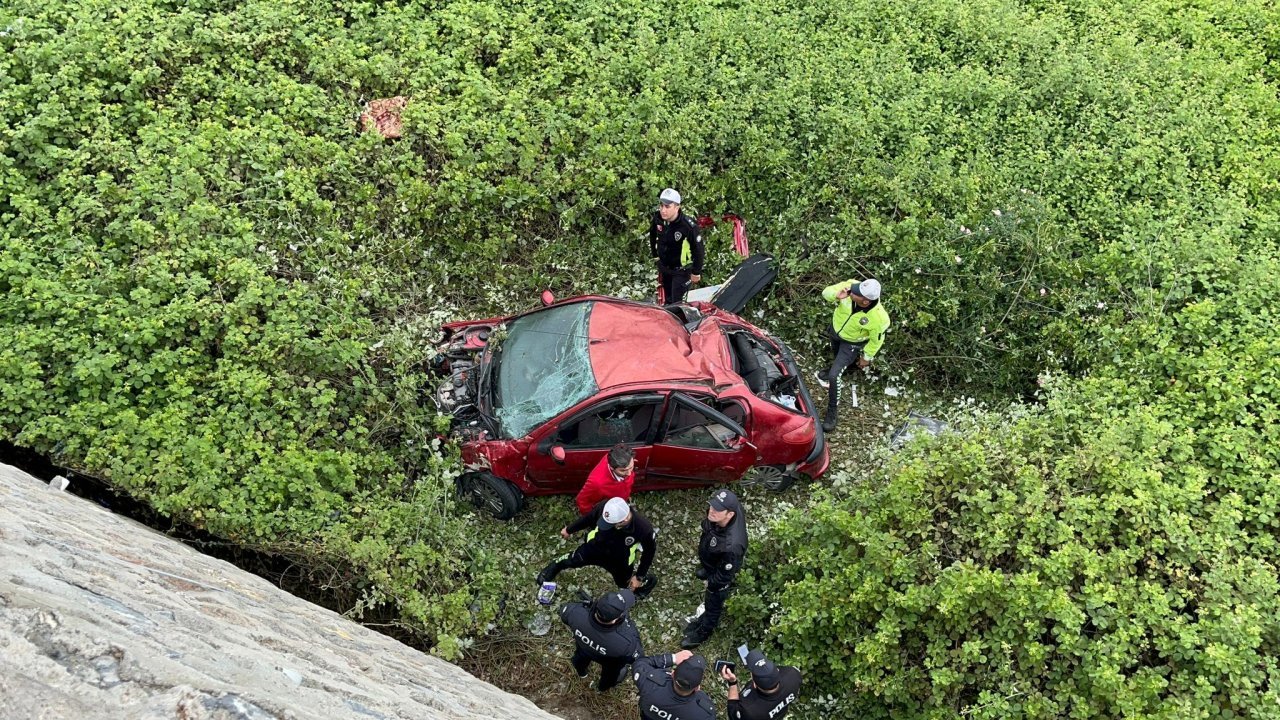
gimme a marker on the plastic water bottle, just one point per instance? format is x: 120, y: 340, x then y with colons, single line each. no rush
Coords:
x: 546, y: 593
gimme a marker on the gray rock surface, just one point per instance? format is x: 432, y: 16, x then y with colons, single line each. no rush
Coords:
x: 101, y: 617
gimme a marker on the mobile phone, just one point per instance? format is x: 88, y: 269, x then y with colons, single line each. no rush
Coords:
x: 722, y: 664
x: 742, y: 653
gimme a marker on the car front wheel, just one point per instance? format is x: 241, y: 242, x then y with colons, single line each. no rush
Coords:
x: 491, y: 494
x: 770, y: 477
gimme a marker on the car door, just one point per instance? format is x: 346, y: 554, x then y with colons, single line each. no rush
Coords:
x: 587, y: 434
x: 697, y: 444
x: 745, y: 282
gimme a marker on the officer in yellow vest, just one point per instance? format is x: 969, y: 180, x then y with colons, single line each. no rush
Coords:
x: 857, y: 332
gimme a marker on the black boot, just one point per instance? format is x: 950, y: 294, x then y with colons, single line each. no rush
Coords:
x: 829, y: 422
x: 694, y: 634
x: 548, y: 573
x: 692, y: 639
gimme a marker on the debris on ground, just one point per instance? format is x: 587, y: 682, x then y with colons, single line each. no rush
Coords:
x: 384, y: 116
x: 915, y: 425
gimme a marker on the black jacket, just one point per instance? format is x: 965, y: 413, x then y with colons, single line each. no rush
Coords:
x: 721, y: 550
x: 616, y: 642
x: 658, y: 698
x: 666, y: 240
x: 755, y: 705
x: 612, y: 547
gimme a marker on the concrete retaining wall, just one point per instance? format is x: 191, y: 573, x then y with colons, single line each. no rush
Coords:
x: 101, y: 617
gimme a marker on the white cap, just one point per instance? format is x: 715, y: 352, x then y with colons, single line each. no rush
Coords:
x: 869, y: 289
x: 616, y: 510
x: 669, y: 196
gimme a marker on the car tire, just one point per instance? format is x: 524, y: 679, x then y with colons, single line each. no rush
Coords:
x: 491, y: 494
x: 770, y: 477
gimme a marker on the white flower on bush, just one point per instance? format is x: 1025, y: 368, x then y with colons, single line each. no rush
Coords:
x: 997, y: 212
x: 958, y: 260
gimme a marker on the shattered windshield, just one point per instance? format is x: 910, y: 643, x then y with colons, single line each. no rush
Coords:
x: 545, y: 368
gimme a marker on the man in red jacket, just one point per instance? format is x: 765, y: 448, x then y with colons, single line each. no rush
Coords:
x: 612, y: 477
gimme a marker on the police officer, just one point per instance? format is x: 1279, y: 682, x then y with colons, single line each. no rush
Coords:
x: 616, y: 536
x: 676, y: 242
x: 721, y: 550
x: 603, y: 633
x: 676, y: 695
x: 857, y: 331
x: 771, y: 692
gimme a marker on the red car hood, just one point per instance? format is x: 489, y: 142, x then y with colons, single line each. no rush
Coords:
x: 636, y: 343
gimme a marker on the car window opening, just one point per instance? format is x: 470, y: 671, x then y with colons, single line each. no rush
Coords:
x: 691, y: 428
x: 624, y: 422
x: 761, y: 368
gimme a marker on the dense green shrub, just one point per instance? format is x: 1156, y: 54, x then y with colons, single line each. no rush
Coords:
x: 1113, y: 554
x: 216, y: 293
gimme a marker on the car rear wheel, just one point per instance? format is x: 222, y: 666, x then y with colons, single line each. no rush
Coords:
x: 491, y: 494
x: 770, y: 477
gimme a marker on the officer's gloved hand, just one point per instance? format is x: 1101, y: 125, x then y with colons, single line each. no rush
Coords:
x: 701, y: 573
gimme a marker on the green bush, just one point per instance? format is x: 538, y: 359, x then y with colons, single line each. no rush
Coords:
x: 219, y: 295
x: 1113, y: 554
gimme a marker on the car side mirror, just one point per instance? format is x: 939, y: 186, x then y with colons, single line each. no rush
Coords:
x: 547, y: 298
x: 557, y: 454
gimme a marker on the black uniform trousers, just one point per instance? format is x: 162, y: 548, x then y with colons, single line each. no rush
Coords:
x: 843, y: 354
x: 713, y: 609
x: 584, y: 556
x: 675, y: 284
x: 611, y: 669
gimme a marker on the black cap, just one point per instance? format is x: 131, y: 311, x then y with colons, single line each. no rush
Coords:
x: 724, y: 500
x: 762, y: 670
x: 689, y: 673
x: 611, y: 605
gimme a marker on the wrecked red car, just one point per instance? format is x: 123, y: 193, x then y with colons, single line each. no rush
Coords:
x: 701, y: 395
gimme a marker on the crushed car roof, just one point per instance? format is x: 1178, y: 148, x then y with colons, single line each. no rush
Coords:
x: 635, y: 343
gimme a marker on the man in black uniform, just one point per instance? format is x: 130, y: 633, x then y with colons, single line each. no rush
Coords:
x: 617, y: 536
x: 605, y: 634
x: 676, y: 695
x: 676, y: 242
x: 720, y: 553
x: 771, y: 692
